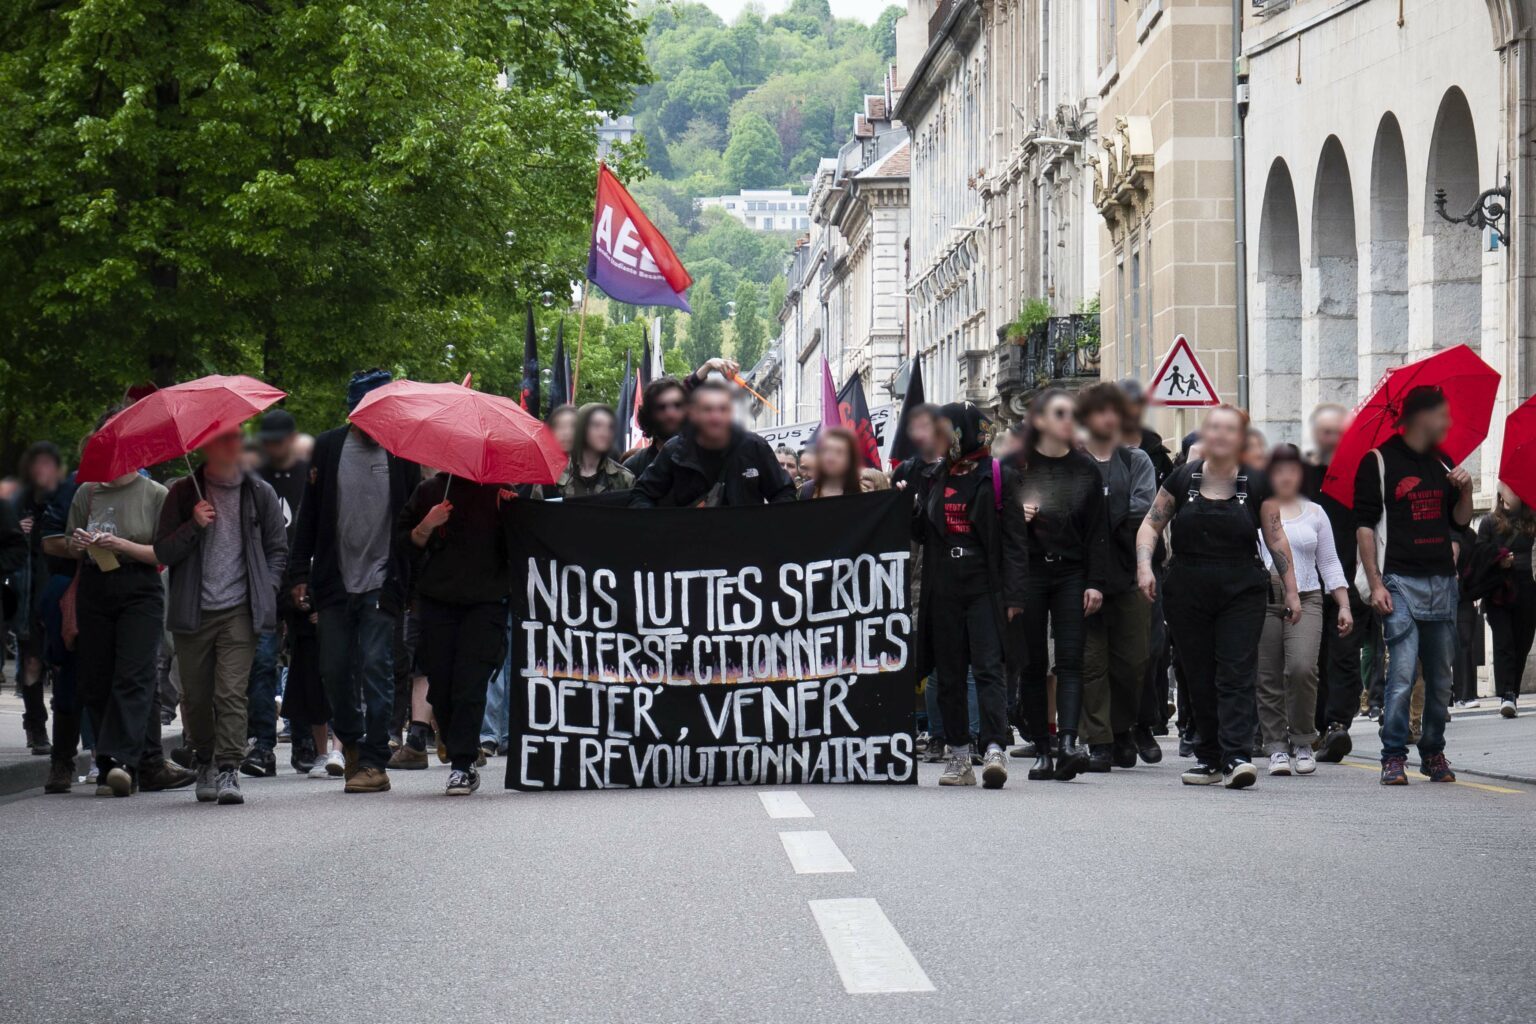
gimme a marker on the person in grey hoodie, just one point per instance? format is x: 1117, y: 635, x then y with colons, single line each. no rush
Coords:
x: 223, y: 537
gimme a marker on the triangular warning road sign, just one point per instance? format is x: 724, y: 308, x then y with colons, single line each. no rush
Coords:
x: 1181, y: 380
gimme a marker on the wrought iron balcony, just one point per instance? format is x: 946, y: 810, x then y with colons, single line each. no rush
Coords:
x: 1062, y: 352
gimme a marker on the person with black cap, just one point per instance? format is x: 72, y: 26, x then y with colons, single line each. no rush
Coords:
x: 348, y: 566
x: 1407, y: 497
x: 1217, y: 590
x: 1138, y: 436
x: 970, y: 522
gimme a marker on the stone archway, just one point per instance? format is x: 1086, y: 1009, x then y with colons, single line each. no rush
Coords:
x: 1331, y: 287
x: 1451, y: 274
x: 1383, y: 336
x: 1275, y: 333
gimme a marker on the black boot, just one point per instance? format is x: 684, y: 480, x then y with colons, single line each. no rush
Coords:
x: 37, y: 740
x: 1336, y: 743
x: 1072, y: 758
x: 1101, y: 758
x: 1146, y: 745
x: 1044, y: 766
x: 1124, y: 750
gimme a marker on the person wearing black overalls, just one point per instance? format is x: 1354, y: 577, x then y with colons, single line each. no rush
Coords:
x: 1217, y: 589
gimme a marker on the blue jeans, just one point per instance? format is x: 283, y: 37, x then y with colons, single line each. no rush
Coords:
x: 261, y: 713
x: 1420, y: 632
x: 357, y: 669
x: 494, y: 727
x: 936, y: 719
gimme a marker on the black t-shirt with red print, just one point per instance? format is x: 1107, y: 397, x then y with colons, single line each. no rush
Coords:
x: 1419, y: 502
x: 959, y: 491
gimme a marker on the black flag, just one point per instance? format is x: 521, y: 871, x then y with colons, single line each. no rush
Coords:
x: 625, y: 409
x: 901, y: 448
x: 560, y: 372
x: 854, y: 410
x: 530, y: 396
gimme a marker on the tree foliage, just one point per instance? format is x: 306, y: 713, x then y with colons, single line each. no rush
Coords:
x: 751, y: 336
x: 753, y: 159
x: 289, y: 188
x: 706, y: 332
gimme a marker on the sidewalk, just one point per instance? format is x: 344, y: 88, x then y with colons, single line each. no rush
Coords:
x: 22, y: 770
x: 1478, y: 742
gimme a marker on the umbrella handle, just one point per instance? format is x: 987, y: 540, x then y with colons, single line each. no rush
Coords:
x: 192, y: 475
x: 447, y: 486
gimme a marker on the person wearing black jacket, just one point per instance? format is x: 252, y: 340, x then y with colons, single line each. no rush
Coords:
x: 971, y: 526
x: 1511, y: 609
x: 458, y: 529
x: 347, y: 566
x: 1062, y: 495
x: 713, y: 461
x: 664, y: 409
x: 41, y: 473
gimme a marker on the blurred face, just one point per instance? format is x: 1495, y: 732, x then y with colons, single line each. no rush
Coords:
x: 1285, y: 479
x: 564, y: 428
x: 833, y: 458
x: 279, y: 452
x: 1327, y: 428
x: 599, y: 433
x: 710, y: 414
x: 1432, y: 425
x: 1222, y: 436
x: 44, y: 473
x: 807, y: 464
x: 921, y: 433
x: 1103, y: 424
x: 1134, y: 411
x: 788, y: 464
x: 1256, y: 450
x: 1055, y: 420
x: 223, y: 454
x: 668, y: 411
x: 1509, y: 499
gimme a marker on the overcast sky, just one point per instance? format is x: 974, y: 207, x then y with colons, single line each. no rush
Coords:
x: 865, y: 10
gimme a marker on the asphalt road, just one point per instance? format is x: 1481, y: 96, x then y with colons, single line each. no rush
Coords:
x: 1118, y: 898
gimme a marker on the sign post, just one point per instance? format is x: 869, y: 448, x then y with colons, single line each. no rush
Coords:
x: 1181, y: 382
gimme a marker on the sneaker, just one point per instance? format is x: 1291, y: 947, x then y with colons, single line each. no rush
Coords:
x: 1304, y: 762
x: 259, y: 763
x: 117, y: 781
x: 61, y: 775
x: 332, y: 766
x: 1186, y: 745
x: 958, y: 770
x: 1437, y: 768
x: 92, y: 776
x: 463, y: 782
x: 1200, y: 774
x: 1279, y: 763
x: 1507, y: 708
x: 164, y: 776
x: 1336, y: 743
x: 1469, y: 703
x: 1394, y: 771
x: 487, y: 751
x: 935, y: 754
x: 229, y: 786
x: 207, y: 784
x: 1239, y: 775
x: 407, y: 758
x: 1373, y: 713
x: 303, y: 758
x: 994, y: 772
x: 368, y: 779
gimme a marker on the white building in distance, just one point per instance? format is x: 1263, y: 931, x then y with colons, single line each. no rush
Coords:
x: 762, y: 209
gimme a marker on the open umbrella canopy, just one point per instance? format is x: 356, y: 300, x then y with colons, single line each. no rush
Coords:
x: 1470, y: 386
x: 168, y: 423
x: 485, y: 438
x: 1517, y: 463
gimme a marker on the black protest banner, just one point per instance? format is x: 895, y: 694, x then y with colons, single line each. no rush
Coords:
x: 716, y: 646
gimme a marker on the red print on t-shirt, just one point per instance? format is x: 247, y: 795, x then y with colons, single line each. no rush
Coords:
x: 1405, y: 485
x: 956, y: 517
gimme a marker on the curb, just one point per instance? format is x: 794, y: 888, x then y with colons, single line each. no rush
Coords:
x: 31, y: 773
x: 1527, y: 780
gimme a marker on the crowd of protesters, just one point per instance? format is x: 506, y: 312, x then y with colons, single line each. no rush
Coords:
x: 325, y: 591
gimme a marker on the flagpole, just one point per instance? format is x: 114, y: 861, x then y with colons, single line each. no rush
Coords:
x: 581, y: 330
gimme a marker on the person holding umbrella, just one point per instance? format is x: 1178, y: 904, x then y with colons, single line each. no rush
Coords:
x: 1407, y: 496
x: 347, y: 566
x: 457, y: 529
x: 1511, y: 609
x: 223, y: 537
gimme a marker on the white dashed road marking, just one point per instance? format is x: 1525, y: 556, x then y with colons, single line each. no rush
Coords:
x: 814, y: 853
x: 784, y: 804
x: 869, y: 953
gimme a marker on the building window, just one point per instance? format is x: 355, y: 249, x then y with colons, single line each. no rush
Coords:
x: 1123, y: 359
x: 1135, y: 317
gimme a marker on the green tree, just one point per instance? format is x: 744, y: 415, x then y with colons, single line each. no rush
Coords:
x: 697, y: 93
x: 751, y: 336
x: 288, y: 188
x: 706, y: 332
x: 883, y: 32
x: 753, y: 159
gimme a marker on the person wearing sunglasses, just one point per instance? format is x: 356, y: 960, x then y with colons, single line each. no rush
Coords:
x: 1063, y: 498
x: 663, y: 407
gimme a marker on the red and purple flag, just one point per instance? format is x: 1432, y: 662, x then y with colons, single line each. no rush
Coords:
x: 629, y: 259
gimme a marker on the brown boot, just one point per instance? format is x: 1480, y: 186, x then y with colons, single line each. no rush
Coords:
x: 368, y: 779
x: 349, y: 755
x: 61, y: 774
x: 408, y: 758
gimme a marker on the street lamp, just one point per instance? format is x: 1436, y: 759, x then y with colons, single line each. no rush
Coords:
x: 1491, y: 207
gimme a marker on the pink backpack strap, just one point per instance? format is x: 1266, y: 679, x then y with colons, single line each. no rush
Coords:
x: 997, y: 485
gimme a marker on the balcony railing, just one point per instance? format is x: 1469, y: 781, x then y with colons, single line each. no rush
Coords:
x: 1062, y: 351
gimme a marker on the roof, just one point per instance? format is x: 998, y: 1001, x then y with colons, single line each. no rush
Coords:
x: 895, y: 164
x: 861, y: 127
x: 874, y: 106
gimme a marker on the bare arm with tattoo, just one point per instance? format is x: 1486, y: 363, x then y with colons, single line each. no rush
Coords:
x: 1146, y: 541
x: 1280, y: 553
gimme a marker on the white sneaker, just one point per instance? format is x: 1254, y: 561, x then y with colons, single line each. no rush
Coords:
x: 1469, y: 703
x: 1304, y: 762
x: 335, y: 764
x: 1279, y: 763
x: 1507, y: 709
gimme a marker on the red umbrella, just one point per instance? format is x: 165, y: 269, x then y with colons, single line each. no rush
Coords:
x: 1470, y: 386
x: 485, y: 438
x: 1517, y: 463
x: 168, y: 423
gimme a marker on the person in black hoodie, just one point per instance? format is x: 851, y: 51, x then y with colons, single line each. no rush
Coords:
x: 347, y: 565
x: 1063, y: 504
x: 1511, y: 609
x: 713, y: 461
x: 971, y: 526
x: 462, y: 585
